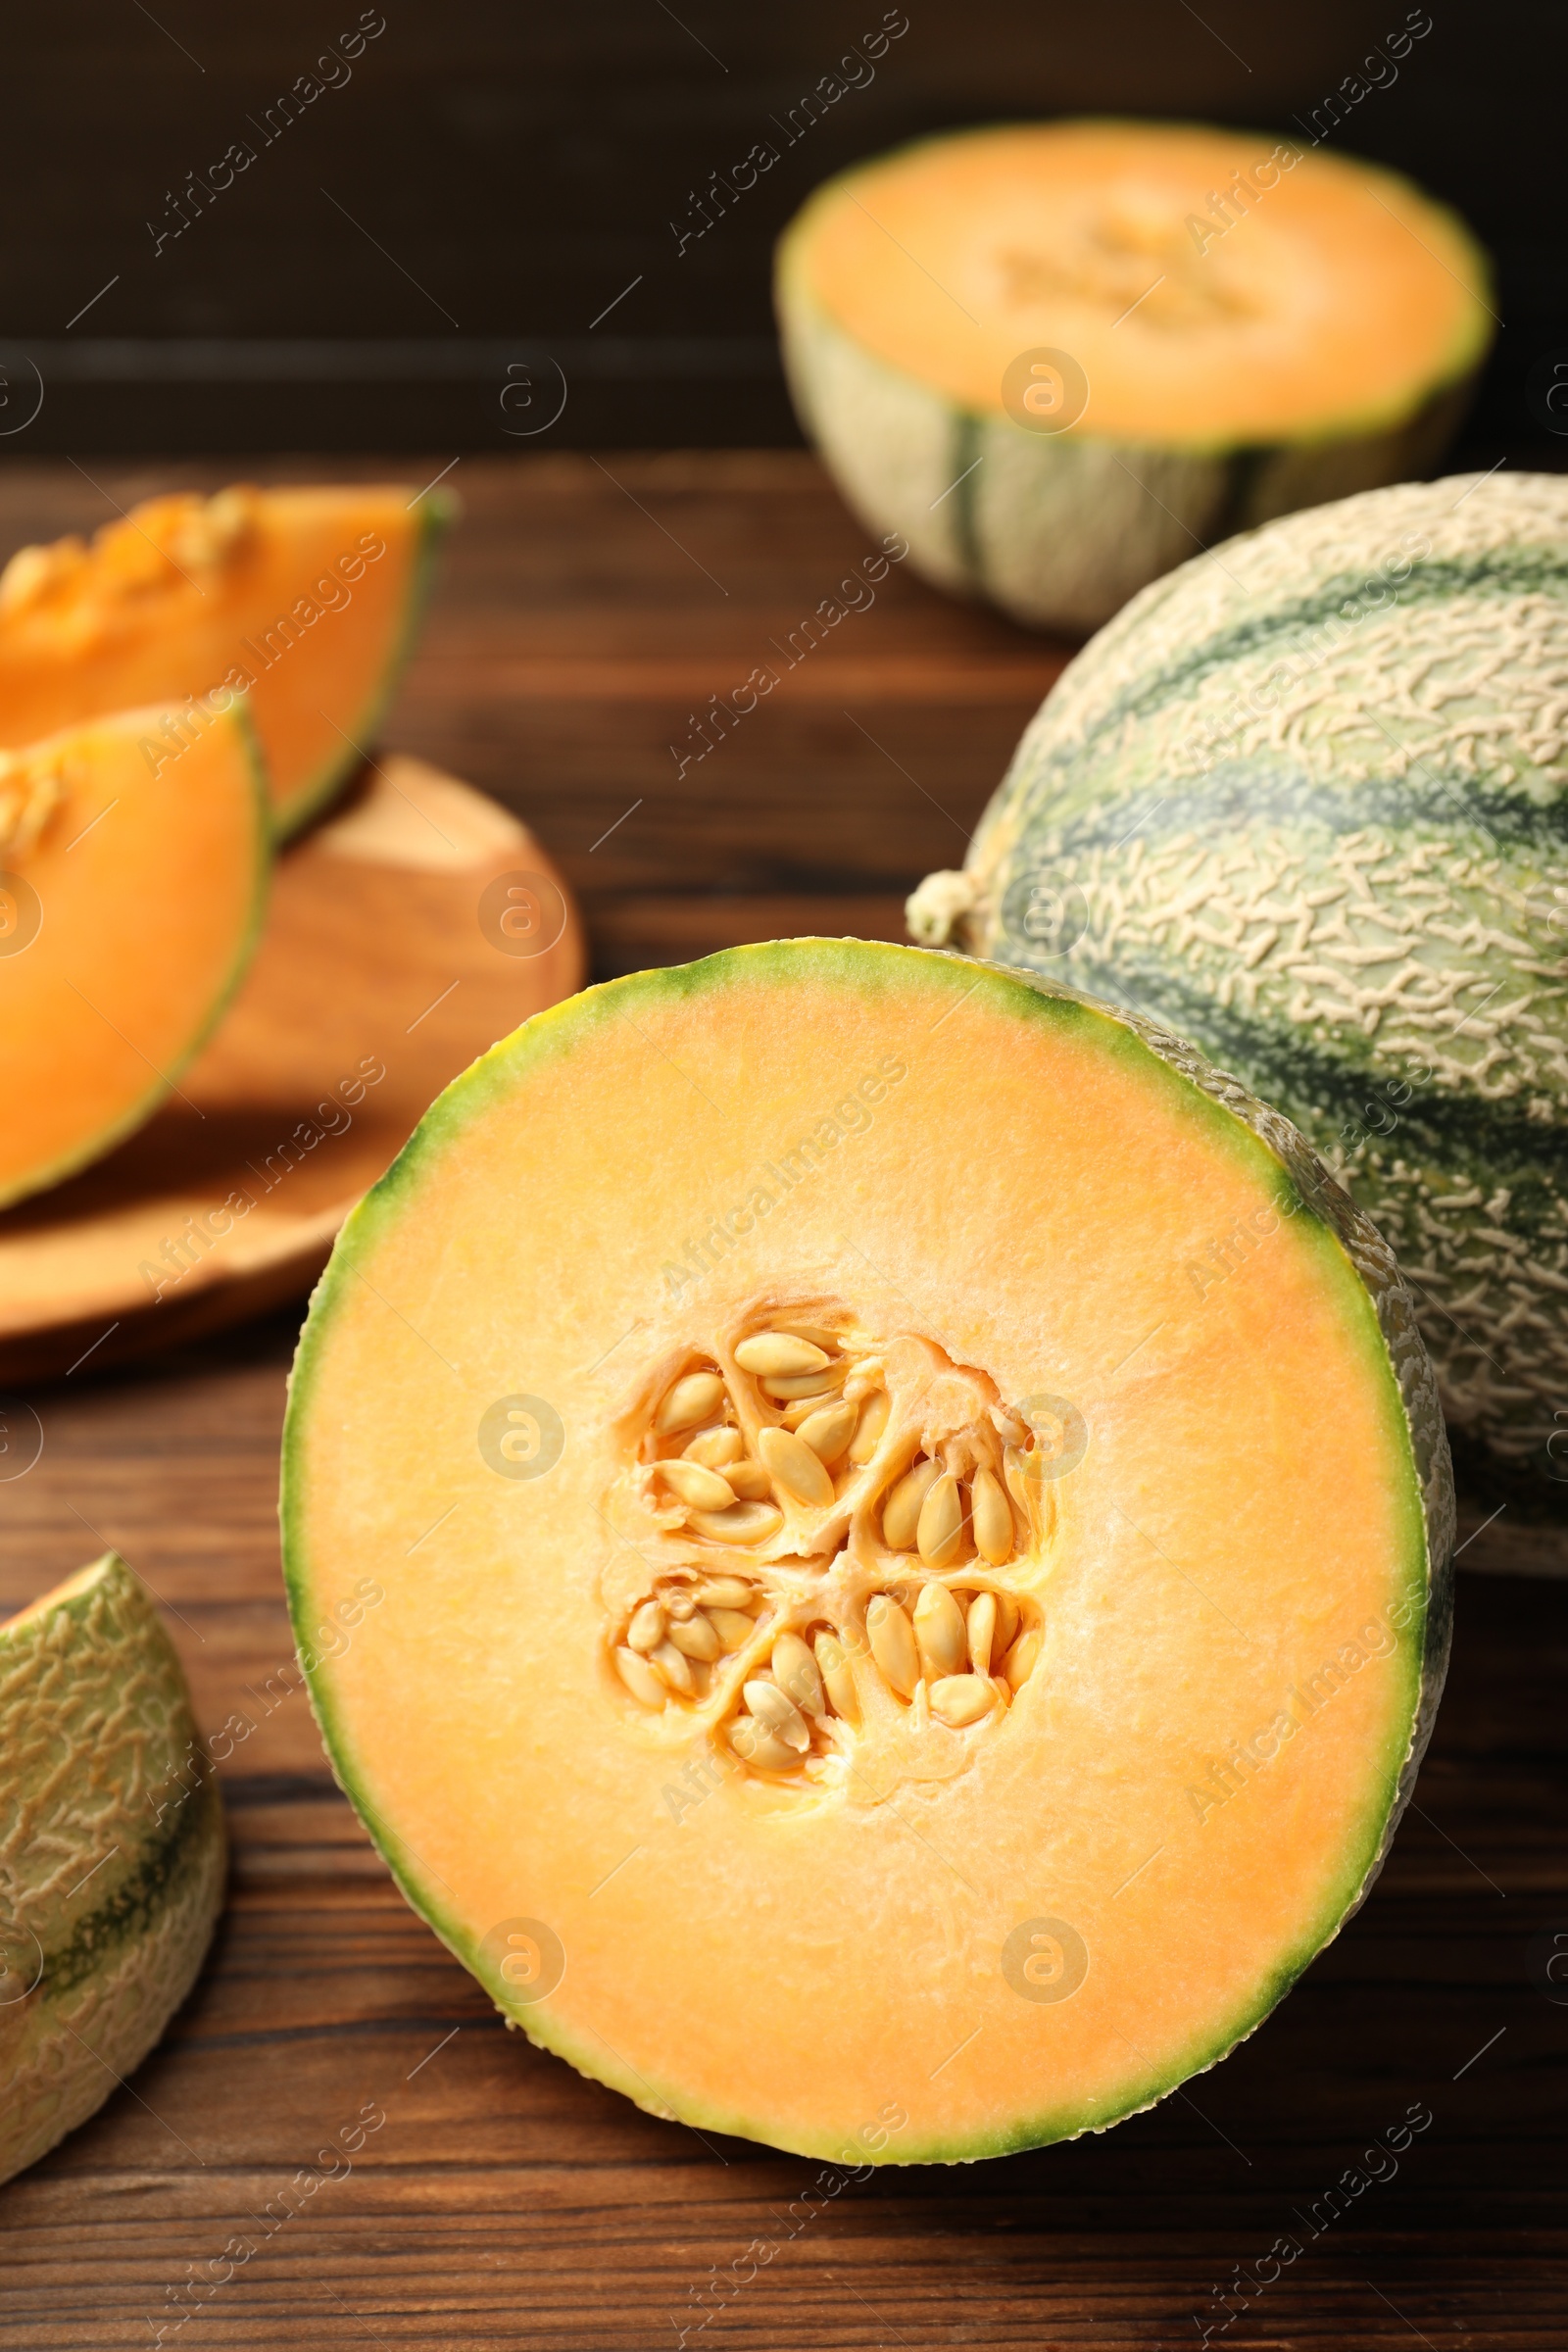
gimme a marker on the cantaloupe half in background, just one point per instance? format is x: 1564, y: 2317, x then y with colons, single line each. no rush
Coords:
x: 1305, y: 800
x: 132, y: 880
x: 308, y: 599
x: 111, y: 1841
x: 885, y: 1651
x: 1055, y: 357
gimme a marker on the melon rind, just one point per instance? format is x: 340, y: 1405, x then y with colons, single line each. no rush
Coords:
x: 111, y: 1850
x: 1060, y: 530
x: 1423, y: 725
x: 1375, y: 1296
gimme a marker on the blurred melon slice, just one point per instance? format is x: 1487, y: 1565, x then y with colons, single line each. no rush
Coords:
x: 131, y: 884
x: 307, y: 598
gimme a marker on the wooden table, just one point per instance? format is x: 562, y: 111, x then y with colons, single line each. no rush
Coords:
x: 587, y: 611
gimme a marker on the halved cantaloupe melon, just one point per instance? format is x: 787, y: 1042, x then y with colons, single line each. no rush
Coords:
x: 1056, y: 356
x: 112, y: 1840
x: 308, y: 599
x: 133, y: 878
x: 887, y: 1649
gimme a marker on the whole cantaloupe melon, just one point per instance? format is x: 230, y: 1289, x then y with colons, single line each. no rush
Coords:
x: 1059, y: 357
x: 870, y: 1658
x: 1306, y: 801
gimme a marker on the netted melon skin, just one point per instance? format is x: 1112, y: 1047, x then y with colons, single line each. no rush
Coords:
x: 1058, y: 530
x: 1304, y: 801
x: 111, y: 1850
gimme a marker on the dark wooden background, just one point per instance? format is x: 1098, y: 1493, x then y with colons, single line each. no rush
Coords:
x: 588, y: 606
x: 493, y: 177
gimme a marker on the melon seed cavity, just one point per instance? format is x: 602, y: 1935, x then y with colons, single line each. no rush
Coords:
x: 843, y: 1530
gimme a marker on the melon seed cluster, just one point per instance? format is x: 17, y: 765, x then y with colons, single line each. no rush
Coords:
x: 681, y: 1631
x: 819, y: 1420
x: 792, y: 1454
x: 971, y: 1651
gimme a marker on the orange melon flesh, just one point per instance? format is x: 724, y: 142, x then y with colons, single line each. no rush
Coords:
x: 1335, y: 299
x: 979, y: 1172
x: 304, y: 598
x: 129, y: 904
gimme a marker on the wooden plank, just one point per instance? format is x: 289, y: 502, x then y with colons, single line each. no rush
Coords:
x: 505, y: 2200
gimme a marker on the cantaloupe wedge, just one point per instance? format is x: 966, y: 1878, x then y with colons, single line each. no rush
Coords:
x: 307, y: 598
x: 1059, y: 355
x: 915, y: 1528
x: 133, y: 877
x: 111, y: 1841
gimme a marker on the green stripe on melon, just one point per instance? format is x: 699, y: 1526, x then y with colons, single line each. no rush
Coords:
x: 1304, y: 802
x: 1059, y: 528
x: 111, y: 1851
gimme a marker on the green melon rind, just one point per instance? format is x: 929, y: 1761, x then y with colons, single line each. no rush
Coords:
x: 1351, y: 1250
x: 440, y: 510
x: 84, y: 1155
x: 1060, y: 530
x: 1113, y: 785
x: 111, y: 1850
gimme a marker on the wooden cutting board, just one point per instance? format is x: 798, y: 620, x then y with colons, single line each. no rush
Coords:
x: 406, y: 934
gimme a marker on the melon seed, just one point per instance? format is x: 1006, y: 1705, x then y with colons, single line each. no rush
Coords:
x: 743, y: 1523
x: 756, y: 1744
x: 1007, y: 1623
x: 695, y: 1639
x: 668, y: 1662
x: 893, y: 1644
x: 749, y: 1482
x: 728, y: 1592
x: 778, y: 1713
x: 647, y: 1628
x: 679, y: 1605
x: 640, y: 1678
x: 960, y: 1698
x: 872, y: 1422
x: 715, y: 1449
x: 838, y: 1676
x: 774, y: 1355
x: 939, y: 1630
x: 784, y: 1387
x: 982, y: 1630
x: 1018, y: 1664
x: 795, y: 1467
x: 992, y: 1518
x: 901, y: 1513
x: 732, y: 1626
x: 704, y: 1490
x: 694, y: 1399
x: 939, y: 1531
x: 817, y: 1333
x: 828, y: 1430
x: 795, y: 1670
